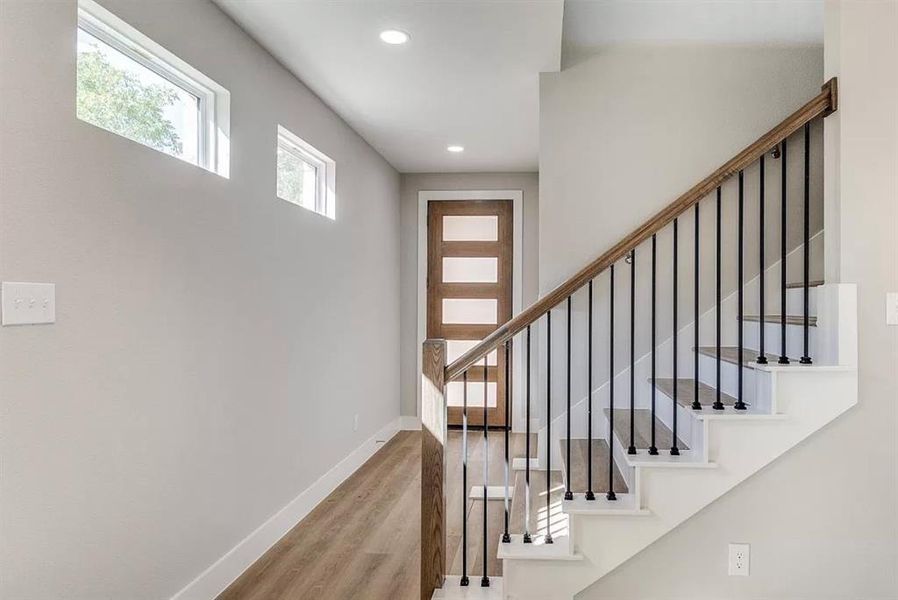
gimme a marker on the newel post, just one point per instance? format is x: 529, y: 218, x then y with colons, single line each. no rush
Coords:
x: 433, y: 447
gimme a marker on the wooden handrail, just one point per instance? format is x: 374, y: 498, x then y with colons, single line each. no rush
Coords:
x: 823, y: 104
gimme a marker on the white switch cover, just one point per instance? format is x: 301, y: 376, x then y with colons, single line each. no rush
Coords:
x: 892, y: 308
x: 28, y: 303
x: 739, y: 559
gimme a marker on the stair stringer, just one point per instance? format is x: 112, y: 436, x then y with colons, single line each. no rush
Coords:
x: 809, y: 397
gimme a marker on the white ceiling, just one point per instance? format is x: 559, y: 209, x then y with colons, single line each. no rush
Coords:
x: 591, y: 24
x: 469, y: 75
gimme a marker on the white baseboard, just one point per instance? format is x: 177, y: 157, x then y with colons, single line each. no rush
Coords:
x: 223, y: 572
x: 407, y: 423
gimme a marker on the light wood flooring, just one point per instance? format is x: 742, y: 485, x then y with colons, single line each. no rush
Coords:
x: 458, y: 501
x: 362, y: 541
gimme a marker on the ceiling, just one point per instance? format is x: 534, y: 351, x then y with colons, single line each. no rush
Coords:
x: 469, y: 74
x: 591, y: 24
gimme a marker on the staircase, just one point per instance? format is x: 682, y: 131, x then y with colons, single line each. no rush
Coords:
x: 676, y: 422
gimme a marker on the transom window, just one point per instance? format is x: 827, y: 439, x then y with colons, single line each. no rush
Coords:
x: 305, y: 175
x: 131, y: 86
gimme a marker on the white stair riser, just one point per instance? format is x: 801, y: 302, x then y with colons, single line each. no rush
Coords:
x: 729, y: 381
x: 689, y: 429
x: 619, y: 444
x: 795, y: 302
x: 773, y: 339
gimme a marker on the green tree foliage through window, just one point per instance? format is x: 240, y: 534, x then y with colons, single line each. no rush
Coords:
x: 115, y: 99
x: 296, y: 179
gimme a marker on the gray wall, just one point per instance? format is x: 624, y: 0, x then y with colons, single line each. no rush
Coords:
x: 822, y: 521
x: 411, y: 185
x: 213, y: 342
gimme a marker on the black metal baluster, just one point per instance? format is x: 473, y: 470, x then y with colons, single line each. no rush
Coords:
x: 784, y: 357
x: 485, y: 580
x: 568, y: 495
x: 506, y: 538
x: 718, y: 405
x: 527, y: 538
x: 610, y: 495
x: 740, y: 405
x: 590, y: 495
x: 806, y: 357
x: 464, y: 481
x: 674, y: 450
x: 696, y: 405
x: 632, y: 448
x: 762, y: 355
x: 653, y: 450
x: 548, y: 537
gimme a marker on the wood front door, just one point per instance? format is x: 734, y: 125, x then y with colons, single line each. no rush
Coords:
x: 469, y: 292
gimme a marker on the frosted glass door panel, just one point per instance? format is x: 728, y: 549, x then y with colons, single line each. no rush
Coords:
x: 458, y: 228
x: 455, y: 394
x: 455, y: 348
x: 470, y: 311
x: 470, y: 270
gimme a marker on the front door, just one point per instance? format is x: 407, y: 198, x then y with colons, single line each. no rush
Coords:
x: 469, y: 287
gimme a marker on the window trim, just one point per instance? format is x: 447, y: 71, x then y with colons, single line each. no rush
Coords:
x: 325, y: 171
x: 213, y: 152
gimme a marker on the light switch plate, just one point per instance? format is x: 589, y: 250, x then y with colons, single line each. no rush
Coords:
x: 28, y: 303
x: 892, y: 308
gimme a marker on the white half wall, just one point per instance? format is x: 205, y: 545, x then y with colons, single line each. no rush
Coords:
x: 213, y: 343
x: 623, y: 135
x: 822, y: 520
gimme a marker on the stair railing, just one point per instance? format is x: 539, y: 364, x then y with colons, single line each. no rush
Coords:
x: 436, y: 374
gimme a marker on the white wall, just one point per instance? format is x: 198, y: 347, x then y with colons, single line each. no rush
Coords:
x: 623, y: 134
x: 212, y: 342
x: 822, y: 520
x: 619, y: 142
x: 528, y: 183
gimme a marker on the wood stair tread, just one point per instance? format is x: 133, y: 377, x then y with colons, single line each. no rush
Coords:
x: 790, y: 319
x: 642, y: 430
x: 730, y: 354
x: 579, y: 464
x: 800, y: 284
x: 707, y: 394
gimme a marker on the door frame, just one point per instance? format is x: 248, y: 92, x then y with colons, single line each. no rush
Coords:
x: 517, y: 280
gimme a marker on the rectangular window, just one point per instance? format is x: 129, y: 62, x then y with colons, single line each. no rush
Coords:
x: 305, y: 176
x: 131, y: 86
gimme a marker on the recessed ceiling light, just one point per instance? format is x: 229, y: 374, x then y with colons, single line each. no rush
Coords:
x: 455, y: 148
x: 394, y: 36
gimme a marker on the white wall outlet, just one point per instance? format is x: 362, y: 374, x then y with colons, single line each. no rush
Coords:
x: 28, y: 303
x: 355, y: 422
x: 892, y: 308
x: 739, y: 559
